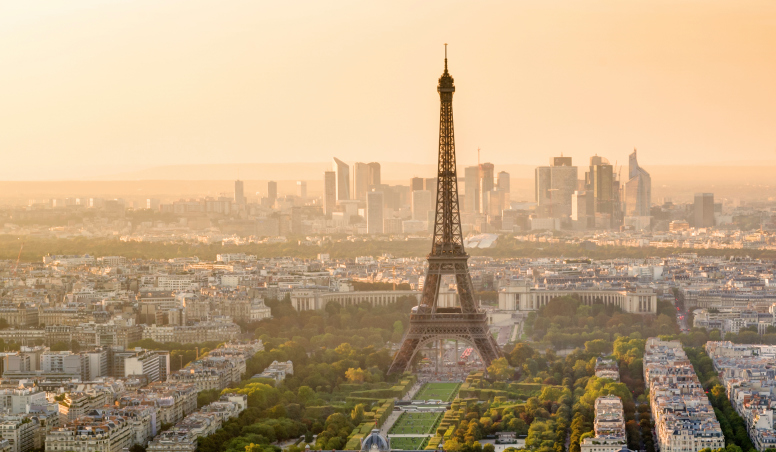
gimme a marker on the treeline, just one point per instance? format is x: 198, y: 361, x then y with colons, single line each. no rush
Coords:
x: 565, y: 322
x: 571, y: 373
x: 544, y: 419
x: 505, y: 247
x: 697, y: 337
x: 360, y: 326
x: 299, y: 405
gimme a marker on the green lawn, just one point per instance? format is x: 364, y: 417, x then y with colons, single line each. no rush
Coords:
x: 408, y: 443
x: 416, y: 423
x: 437, y: 391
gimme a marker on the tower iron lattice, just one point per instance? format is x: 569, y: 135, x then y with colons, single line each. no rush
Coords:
x: 428, y: 322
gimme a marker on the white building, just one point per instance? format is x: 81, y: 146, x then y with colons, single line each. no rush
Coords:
x: 522, y: 296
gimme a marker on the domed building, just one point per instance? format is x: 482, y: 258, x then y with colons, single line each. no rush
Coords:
x: 375, y: 442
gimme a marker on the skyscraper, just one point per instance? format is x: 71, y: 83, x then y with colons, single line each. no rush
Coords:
x: 421, y: 204
x: 272, y: 192
x: 487, y: 171
x: 555, y: 184
x: 504, y: 183
x: 471, y: 189
x: 374, y: 212
x: 704, y: 210
x: 374, y: 178
x: 239, y: 192
x: 329, y: 192
x: 599, y: 182
x: 360, y: 180
x: 542, y: 186
x: 638, y: 189
x: 486, y: 176
x: 342, y: 171
x: 416, y: 183
x: 301, y: 189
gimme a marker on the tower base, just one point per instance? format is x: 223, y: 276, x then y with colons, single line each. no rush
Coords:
x: 427, y: 328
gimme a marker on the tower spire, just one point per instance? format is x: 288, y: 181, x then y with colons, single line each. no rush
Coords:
x: 445, y: 58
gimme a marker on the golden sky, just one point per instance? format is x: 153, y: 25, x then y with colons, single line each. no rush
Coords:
x: 109, y: 85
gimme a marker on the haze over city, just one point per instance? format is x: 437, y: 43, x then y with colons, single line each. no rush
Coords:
x: 102, y: 89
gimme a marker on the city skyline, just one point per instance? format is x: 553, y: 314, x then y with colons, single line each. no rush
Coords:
x: 123, y: 101
x: 586, y: 273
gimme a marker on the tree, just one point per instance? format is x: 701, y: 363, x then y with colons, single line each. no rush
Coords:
x: 344, y: 349
x: 520, y: 354
x: 550, y: 393
x: 358, y: 413
x: 305, y: 394
x: 332, y: 308
x: 355, y: 375
x: 598, y: 347
x: 499, y: 369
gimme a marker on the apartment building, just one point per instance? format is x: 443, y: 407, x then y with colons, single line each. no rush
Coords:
x: 20, y: 432
x: 173, y: 441
x: 607, y: 368
x: 200, y: 332
x: 684, y: 419
x: 609, y: 427
x: 91, y: 433
x: 277, y: 371
x: 748, y: 372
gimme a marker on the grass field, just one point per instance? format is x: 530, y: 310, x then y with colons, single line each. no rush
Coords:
x: 416, y: 423
x: 408, y: 443
x: 437, y: 391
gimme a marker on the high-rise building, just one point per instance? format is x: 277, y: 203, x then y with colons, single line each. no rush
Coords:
x: 374, y: 212
x: 342, y: 171
x: 638, y: 190
x: 504, y: 181
x: 542, y: 186
x: 471, y: 188
x: 421, y: 204
x: 272, y: 192
x: 374, y: 178
x: 239, y: 192
x: 486, y: 176
x: 555, y: 184
x: 487, y: 184
x: 704, y: 210
x: 603, y: 186
x: 582, y: 210
x: 360, y: 180
x: 416, y: 183
x: 329, y: 192
x: 430, y: 184
x: 301, y: 189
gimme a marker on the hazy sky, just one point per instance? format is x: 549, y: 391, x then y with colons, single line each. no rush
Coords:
x: 113, y: 85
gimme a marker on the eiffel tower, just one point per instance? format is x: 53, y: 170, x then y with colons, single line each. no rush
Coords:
x: 428, y: 322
